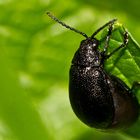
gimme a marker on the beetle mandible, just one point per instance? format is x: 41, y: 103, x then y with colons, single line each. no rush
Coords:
x: 99, y: 99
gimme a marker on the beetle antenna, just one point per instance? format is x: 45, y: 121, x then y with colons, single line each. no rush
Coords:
x: 65, y: 25
x: 108, y: 23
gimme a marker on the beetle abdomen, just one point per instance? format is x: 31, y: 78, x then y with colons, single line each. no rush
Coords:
x: 125, y: 104
x: 90, y: 96
x: 100, y: 100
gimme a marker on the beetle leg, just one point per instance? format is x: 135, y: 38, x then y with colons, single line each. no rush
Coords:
x: 125, y: 42
x: 107, y: 39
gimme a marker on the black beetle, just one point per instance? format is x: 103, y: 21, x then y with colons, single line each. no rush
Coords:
x: 99, y: 99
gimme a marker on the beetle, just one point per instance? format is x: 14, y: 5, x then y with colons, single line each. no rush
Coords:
x: 98, y: 98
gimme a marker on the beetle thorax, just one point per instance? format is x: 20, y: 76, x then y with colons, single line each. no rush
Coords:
x: 88, y: 55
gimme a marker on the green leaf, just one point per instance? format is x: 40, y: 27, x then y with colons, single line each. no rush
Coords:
x: 16, y: 109
x: 125, y: 64
x: 40, y: 53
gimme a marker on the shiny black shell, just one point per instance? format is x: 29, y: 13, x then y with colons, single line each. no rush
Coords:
x: 98, y: 98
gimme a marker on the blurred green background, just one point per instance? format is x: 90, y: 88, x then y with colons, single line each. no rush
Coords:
x: 35, y: 57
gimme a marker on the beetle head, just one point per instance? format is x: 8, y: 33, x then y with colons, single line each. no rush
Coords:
x: 87, y: 55
x: 89, y: 44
